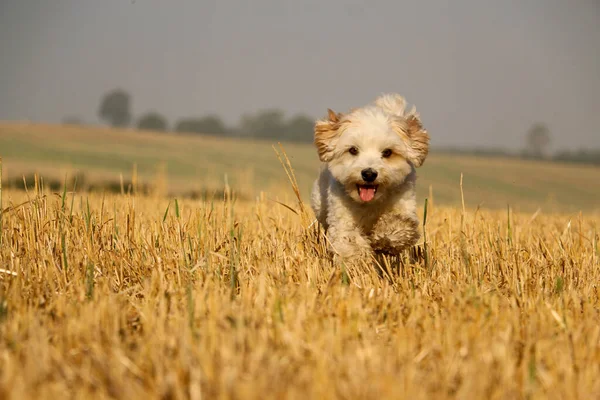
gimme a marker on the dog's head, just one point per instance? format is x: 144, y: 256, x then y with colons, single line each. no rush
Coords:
x: 371, y: 150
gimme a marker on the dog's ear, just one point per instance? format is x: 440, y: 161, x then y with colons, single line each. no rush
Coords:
x: 333, y: 116
x: 410, y: 128
x: 408, y: 125
x: 418, y: 139
x: 326, y: 131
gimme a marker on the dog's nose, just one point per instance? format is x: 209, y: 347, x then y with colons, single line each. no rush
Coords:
x: 369, y: 174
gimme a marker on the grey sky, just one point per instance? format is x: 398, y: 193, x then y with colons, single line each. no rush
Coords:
x: 480, y: 72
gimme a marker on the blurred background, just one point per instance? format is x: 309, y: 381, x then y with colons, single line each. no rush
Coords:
x: 187, y: 97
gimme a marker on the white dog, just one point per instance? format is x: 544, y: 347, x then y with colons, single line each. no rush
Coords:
x: 365, y: 194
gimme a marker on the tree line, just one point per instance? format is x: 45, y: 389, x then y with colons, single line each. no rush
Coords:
x: 115, y: 109
x: 537, y: 147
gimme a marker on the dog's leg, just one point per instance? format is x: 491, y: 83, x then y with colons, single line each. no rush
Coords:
x: 345, y: 239
x: 394, y: 233
x: 348, y: 243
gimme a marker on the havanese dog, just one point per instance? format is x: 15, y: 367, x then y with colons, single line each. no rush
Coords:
x: 364, y: 196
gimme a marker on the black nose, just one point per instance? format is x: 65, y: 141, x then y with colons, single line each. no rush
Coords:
x: 369, y: 174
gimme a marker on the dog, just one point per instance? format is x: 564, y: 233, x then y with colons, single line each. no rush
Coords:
x: 364, y: 196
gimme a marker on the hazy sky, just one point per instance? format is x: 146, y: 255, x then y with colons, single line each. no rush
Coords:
x: 480, y: 72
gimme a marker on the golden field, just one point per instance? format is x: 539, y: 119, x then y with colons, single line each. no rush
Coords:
x: 229, y: 294
x: 132, y: 296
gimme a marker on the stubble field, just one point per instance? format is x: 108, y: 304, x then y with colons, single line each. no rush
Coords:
x: 231, y: 295
x: 131, y: 296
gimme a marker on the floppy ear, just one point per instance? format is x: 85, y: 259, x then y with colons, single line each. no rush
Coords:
x: 415, y: 136
x: 326, y: 131
x: 408, y: 125
x: 418, y: 139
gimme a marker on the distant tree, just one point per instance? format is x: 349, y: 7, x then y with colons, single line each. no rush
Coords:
x: 264, y: 124
x: 152, y: 121
x: 538, y: 140
x: 299, y: 129
x: 210, y: 125
x: 115, y: 108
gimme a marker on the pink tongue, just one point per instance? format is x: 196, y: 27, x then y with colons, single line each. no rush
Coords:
x: 366, y: 193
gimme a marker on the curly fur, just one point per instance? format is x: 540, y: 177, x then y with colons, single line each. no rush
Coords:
x: 382, y: 137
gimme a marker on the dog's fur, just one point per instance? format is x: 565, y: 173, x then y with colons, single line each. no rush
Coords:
x: 357, y: 225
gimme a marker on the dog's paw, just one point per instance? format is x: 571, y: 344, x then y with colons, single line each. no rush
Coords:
x: 394, y: 234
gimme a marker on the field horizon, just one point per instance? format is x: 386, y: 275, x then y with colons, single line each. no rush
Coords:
x: 198, y: 165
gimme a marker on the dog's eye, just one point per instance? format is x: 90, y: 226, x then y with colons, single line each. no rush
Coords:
x: 386, y: 153
x: 353, y: 150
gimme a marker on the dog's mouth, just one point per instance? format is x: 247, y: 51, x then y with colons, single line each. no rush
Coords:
x: 366, y: 192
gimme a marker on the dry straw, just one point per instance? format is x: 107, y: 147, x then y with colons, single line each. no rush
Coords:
x: 130, y: 296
